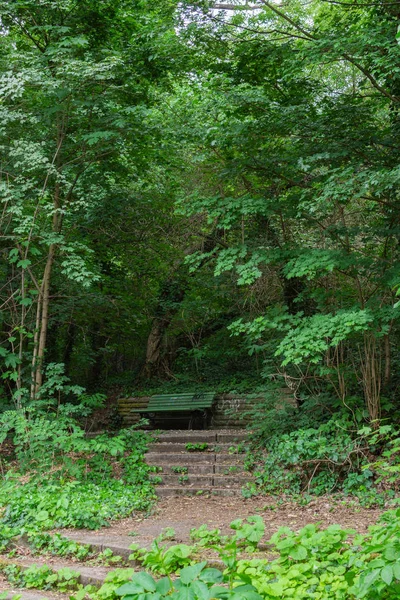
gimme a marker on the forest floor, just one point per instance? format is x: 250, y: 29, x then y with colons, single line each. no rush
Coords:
x: 184, y: 513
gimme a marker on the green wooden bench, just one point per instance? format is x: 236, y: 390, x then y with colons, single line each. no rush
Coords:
x: 195, y: 405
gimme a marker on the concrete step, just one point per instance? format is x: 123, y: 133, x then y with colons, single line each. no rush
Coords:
x: 164, y: 491
x: 181, y: 447
x: 30, y: 595
x: 185, y: 436
x: 229, y: 459
x: 203, y: 480
x: 191, y: 458
x: 231, y: 480
x: 232, y: 436
x: 173, y: 480
x: 216, y: 470
x: 212, y: 437
x: 186, y: 469
x: 179, y: 458
x: 200, y: 469
x: 87, y: 575
x: 230, y: 468
x: 120, y: 543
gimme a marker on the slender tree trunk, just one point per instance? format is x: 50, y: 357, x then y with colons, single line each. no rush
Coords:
x: 42, y: 312
x: 21, y: 340
x: 371, y: 377
x: 387, y: 360
x: 36, y: 344
x: 44, y: 319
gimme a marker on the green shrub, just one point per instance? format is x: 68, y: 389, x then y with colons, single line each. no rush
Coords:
x: 314, y: 563
x: 197, y: 447
x: 332, y: 458
x: 80, y: 490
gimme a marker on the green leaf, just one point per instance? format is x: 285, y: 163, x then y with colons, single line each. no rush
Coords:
x: 211, y: 575
x: 201, y: 590
x: 145, y: 580
x: 396, y: 570
x: 387, y: 574
x: 298, y: 553
x: 42, y: 515
x: 189, y: 574
x: 163, y: 586
x: 24, y: 263
x: 185, y: 593
x: 26, y: 301
x: 219, y: 592
x: 391, y: 553
x: 129, y: 588
x: 366, y: 582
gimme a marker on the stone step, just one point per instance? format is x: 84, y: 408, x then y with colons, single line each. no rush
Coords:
x: 173, y: 480
x: 164, y: 491
x: 181, y: 447
x: 228, y: 480
x: 200, y: 469
x: 230, y: 468
x: 229, y: 459
x: 30, y: 595
x: 179, y: 458
x: 87, y: 575
x: 189, y: 458
x: 232, y: 436
x: 211, y: 437
x: 203, y: 480
x: 197, y: 469
x: 120, y: 544
x: 217, y: 470
x: 185, y: 436
x: 221, y: 421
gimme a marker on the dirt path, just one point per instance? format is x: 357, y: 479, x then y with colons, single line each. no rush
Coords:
x: 184, y: 513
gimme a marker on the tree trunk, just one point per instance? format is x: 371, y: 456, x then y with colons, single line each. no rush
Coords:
x: 44, y: 320
x: 153, y: 349
x: 42, y: 312
x: 171, y: 296
x: 387, y: 360
x: 371, y: 377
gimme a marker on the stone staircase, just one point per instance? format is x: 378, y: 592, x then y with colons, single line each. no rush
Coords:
x: 215, y: 470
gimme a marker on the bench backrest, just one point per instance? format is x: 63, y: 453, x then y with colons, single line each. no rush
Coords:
x: 188, y: 401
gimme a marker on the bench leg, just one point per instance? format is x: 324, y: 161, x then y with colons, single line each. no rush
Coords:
x: 199, y: 417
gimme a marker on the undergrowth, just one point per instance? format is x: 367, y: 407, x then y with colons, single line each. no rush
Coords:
x: 54, y: 476
x: 313, y: 563
x: 336, y: 456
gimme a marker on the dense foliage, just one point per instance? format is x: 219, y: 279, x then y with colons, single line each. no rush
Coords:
x: 201, y: 193
x: 205, y: 195
x: 324, y: 564
x: 88, y: 482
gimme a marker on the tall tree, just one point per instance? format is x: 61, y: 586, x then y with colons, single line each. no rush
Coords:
x: 75, y: 80
x: 299, y: 126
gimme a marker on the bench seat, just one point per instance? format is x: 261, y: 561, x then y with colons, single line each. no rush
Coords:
x: 196, y: 404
